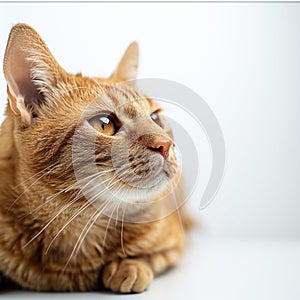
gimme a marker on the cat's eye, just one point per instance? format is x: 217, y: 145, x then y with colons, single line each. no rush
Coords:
x: 155, y: 117
x: 104, y: 124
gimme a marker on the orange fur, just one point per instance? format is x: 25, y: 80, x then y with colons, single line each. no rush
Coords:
x: 36, y: 163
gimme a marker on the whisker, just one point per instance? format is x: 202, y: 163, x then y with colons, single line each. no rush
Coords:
x: 122, y: 231
x: 83, y: 207
x: 85, y: 231
x: 87, y: 228
x: 77, y: 196
x: 51, y: 220
x: 49, y: 199
x: 28, y: 188
x: 108, y: 223
x: 34, y: 175
x: 175, y: 198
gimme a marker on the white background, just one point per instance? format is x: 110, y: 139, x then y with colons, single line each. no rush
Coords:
x: 242, y: 59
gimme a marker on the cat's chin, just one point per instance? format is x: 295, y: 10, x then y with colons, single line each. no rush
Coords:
x: 141, y: 204
x: 153, y: 190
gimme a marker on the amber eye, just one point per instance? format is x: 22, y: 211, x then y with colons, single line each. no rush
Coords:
x: 155, y: 117
x: 104, y: 124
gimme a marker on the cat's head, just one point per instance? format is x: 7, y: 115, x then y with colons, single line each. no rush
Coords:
x: 63, y: 120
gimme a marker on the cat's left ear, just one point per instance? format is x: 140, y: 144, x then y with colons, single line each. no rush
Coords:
x: 30, y: 70
x: 128, y: 66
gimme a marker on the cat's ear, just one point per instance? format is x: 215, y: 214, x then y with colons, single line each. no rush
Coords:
x: 128, y: 66
x: 30, y: 71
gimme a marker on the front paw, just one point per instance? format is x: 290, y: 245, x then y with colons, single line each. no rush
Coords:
x: 127, y: 276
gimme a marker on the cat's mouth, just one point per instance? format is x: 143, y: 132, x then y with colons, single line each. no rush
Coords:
x: 146, y: 173
x: 140, y: 180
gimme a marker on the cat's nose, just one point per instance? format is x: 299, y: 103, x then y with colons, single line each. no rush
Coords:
x: 162, y: 145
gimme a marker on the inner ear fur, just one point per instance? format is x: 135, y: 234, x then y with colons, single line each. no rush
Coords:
x: 29, y: 69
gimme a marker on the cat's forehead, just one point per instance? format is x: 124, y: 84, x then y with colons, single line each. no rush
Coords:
x: 127, y: 101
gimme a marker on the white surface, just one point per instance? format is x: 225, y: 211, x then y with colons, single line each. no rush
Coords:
x: 217, y: 269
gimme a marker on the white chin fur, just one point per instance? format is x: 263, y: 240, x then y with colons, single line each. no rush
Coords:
x: 130, y: 194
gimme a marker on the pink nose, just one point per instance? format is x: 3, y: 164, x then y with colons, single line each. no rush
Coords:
x: 161, y: 145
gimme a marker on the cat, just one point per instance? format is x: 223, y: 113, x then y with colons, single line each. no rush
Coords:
x: 44, y: 216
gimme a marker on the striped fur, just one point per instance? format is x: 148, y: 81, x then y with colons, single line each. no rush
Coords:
x: 51, y: 237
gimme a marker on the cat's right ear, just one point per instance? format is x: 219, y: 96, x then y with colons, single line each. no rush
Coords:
x: 128, y: 65
x: 30, y: 70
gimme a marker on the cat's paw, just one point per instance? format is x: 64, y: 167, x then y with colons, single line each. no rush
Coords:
x: 127, y: 276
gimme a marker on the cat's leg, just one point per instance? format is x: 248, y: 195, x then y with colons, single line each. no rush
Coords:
x: 164, y: 260
x: 133, y: 275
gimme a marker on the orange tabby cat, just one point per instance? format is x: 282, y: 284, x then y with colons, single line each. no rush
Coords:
x: 43, y: 212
